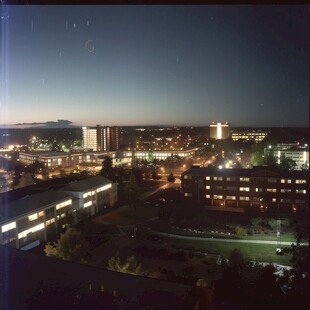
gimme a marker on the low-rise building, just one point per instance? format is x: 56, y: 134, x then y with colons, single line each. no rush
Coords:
x: 27, y: 221
x: 256, y: 187
x: 51, y: 159
x: 249, y: 135
x: 299, y: 154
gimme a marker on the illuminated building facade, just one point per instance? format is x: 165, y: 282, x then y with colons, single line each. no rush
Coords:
x: 163, y: 155
x: 248, y: 135
x: 299, y: 154
x: 219, y: 131
x: 26, y: 222
x: 51, y: 159
x: 259, y: 187
x: 101, y: 138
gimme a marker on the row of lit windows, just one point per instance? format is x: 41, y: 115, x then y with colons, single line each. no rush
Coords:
x: 34, y: 216
x: 30, y: 230
x: 88, y: 204
x: 64, y: 204
x: 103, y: 188
x: 269, y: 180
x: 257, y: 189
x: 243, y: 198
x: 8, y: 227
x: 90, y: 193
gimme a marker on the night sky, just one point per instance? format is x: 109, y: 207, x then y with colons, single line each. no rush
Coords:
x: 155, y: 65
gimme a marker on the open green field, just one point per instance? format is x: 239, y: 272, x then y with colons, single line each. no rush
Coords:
x: 259, y: 252
x: 130, y: 215
x: 287, y: 237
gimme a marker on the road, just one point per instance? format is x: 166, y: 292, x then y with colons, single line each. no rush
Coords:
x: 222, y: 240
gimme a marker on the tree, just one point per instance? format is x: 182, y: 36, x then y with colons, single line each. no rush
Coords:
x: 25, y: 180
x: 138, y: 175
x: 240, y: 231
x: 256, y: 159
x: 132, y: 188
x: 287, y: 163
x: 71, y: 246
x: 236, y: 259
x: 155, y: 176
x: 130, y: 265
x: 171, y: 178
x: 107, y: 169
x: 270, y: 161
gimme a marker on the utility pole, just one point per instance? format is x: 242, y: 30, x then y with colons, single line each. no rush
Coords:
x: 278, y: 235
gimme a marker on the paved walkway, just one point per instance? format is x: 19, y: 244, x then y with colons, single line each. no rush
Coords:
x: 221, y: 240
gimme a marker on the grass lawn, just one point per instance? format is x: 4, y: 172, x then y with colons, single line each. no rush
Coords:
x: 261, y: 252
x: 130, y: 215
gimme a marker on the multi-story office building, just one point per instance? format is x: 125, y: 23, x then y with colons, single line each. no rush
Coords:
x: 27, y: 221
x: 51, y: 159
x: 101, y: 138
x: 299, y: 154
x: 257, y: 187
x: 248, y: 135
x: 219, y: 130
x: 162, y: 155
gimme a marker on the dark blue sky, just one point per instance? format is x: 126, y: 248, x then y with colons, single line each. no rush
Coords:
x: 155, y: 65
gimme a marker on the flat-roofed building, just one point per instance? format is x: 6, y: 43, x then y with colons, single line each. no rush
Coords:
x: 299, y: 154
x: 249, y: 135
x: 51, y: 159
x: 219, y: 131
x: 92, y: 194
x: 28, y: 220
x: 256, y: 187
x: 163, y: 154
x: 101, y: 138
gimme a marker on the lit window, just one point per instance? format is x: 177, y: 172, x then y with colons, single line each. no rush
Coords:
x: 188, y: 194
x: 245, y: 198
x: 244, y: 189
x: 231, y: 197
x: 208, y: 187
x: 33, y: 217
x: 8, y: 226
x: 271, y: 190
x: 258, y: 190
x: 300, y: 191
x: 103, y: 188
x: 63, y: 204
x: 30, y: 230
x: 207, y: 196
x: 218, y: 178
x: 87, y: 204
x: 286, y: 190
x: 274, y: 200
x: 207, y: 178
x: 300, y: 181
x: 245, y: 179
x: 217, y: 196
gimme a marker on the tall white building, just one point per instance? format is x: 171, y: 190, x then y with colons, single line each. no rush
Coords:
x: 219, y: 130
x: 300, y: 154
x: 101, y: 138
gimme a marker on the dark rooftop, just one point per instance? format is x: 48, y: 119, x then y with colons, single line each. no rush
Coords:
x: 21, y: 273
x: 259, y: 171
x: 87, y: 183
x: 30, y: 203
